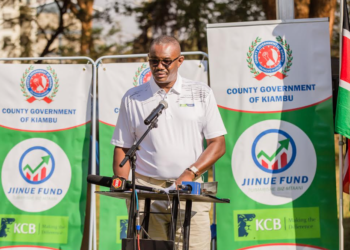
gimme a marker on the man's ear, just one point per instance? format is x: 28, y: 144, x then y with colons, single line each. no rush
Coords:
x: 180, y: 60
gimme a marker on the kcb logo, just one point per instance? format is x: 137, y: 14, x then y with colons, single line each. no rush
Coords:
x: 4, y: 229
x: 244, y: 224
x: 274, y: 157
x: 249, y: 223
x: 268, y: 224
x: 36, y: 165
x: 24, y: 228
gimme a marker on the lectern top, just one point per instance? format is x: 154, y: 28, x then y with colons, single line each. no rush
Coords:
x: 156, y: 196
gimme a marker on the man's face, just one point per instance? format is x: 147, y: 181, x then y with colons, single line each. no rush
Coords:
x: 163, y: 74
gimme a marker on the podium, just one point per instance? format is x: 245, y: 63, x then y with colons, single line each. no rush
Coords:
x: 127, y: 244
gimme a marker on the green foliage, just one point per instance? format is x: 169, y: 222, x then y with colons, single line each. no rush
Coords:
x: 23, y: 78
x: 137, y: 74
x: 56, y: 80
x: 289, y: 55
x: 250, y: 54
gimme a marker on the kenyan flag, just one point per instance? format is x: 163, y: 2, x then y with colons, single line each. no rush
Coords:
x: 342, y: 122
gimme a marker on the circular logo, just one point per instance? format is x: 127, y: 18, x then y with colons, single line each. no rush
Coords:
x: 39, y: 82
x: 269, y: 56
x: 30, y: 178
x: 145, y: 76
x: 35, y: 172
x: 286, y: 151
x: 273, y: 162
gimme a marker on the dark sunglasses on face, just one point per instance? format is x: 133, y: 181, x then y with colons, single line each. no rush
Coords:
x: 165, y: 62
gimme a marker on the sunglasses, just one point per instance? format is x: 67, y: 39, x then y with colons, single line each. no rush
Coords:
x: 166, y: 62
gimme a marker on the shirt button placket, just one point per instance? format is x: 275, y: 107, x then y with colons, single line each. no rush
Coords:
x: 168, y: 111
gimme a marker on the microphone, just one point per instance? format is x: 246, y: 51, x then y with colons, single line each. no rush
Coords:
x: 99, y: 180
x: 118, y: 183
x: 156, y: 112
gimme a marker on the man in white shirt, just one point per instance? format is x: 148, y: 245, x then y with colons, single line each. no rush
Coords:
x: 174, y: 151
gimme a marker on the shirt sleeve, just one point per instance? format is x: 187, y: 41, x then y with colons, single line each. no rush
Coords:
x: 213, y: 125
x: 123, y: 135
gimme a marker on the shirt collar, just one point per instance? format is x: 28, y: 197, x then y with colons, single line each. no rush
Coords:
x: 176, y: 88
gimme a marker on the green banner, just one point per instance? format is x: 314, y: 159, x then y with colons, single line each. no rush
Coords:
x: 45, y: 129
x: 274, y: 95
x: 113, y: 212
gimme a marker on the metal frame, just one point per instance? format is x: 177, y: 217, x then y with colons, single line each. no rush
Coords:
x: 285, y: 9
x: 99, y: 60
x: 270, y: 22
x: 93, y: 121
x: 97, y: 63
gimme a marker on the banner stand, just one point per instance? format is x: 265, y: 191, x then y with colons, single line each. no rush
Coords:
x: 93, y: 146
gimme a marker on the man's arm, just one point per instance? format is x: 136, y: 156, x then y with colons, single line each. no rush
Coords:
x: 119, y: 154
x: 215, y: 149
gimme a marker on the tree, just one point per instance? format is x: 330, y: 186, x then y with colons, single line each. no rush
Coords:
x: 186, y: 19
x: 83, y: 11
x: 56, y: 20
x: 50, y: 37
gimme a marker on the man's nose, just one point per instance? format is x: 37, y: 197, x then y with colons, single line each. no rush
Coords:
x: 160, y: 65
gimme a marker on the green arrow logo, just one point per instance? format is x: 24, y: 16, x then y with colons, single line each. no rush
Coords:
x: 46, y: 160
x: 283, y: 144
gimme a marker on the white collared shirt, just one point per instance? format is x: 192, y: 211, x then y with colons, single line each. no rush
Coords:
x: 177, y: 143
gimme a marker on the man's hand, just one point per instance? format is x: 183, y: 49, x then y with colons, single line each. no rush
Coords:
x: 119, y: 154
x: 215, y: 149
x: 185, y: 176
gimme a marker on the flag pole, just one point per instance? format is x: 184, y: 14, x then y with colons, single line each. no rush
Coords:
x: 340, y: 141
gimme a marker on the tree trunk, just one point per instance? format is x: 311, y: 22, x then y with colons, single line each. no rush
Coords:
x: 269, y: 7
x: 324, y: 8
x: 301, y: 8
x: 84, y: 15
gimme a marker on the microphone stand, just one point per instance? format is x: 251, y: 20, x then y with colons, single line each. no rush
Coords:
x: 131, y: 156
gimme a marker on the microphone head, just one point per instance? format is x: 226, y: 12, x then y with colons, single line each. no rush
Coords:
x: 99, y: 180
x: 164, y: 103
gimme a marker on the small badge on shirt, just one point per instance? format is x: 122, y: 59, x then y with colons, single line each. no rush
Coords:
x: 187, y: 105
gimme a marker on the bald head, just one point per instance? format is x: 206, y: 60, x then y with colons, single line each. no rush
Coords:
x: 167, y: 40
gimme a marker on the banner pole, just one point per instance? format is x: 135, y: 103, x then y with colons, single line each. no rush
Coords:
x: 92, y: 229
x: 341, y: 227
x: 285, y: 9
x: 213, y: 243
